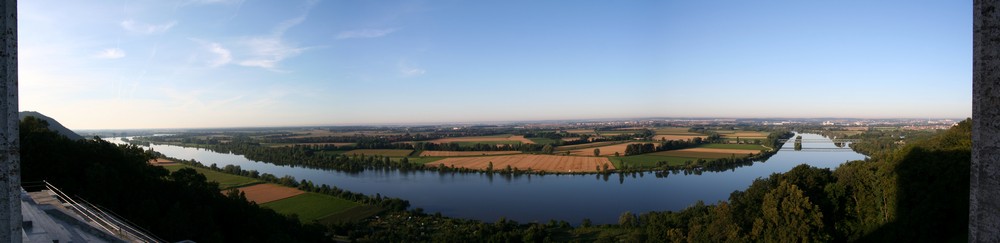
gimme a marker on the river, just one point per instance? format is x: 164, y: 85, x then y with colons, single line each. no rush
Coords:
x: 529, y: 198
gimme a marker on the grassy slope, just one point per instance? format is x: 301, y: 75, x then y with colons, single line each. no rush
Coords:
x: 311, y: 206
x: 225, y: 181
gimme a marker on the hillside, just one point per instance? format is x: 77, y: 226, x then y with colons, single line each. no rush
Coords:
x: 53, y: 124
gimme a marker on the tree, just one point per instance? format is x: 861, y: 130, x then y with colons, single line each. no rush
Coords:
x: 489, y: 167
x: 628, y: 220
x: 547, y: 149
x: 788, y: 216
x: 597, y: 152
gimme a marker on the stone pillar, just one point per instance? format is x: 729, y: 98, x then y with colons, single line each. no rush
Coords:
x: 984, y: 194
x: 10, y: 147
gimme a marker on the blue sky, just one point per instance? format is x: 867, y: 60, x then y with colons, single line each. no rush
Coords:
x: 226, y: 63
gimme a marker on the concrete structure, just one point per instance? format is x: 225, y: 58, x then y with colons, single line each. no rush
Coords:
x: 10, y: 159
x: 984, y: 194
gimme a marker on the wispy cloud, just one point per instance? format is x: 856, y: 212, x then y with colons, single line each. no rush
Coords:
x: 364, y: 33
x: 111, y: 53
x: 267, y: 51
x: 223, y: 55
x: 144, y: 28
x: 407, y: 70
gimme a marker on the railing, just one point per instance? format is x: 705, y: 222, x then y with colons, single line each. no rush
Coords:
x: 110, y: 222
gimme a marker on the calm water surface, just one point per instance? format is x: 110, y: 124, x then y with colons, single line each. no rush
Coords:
x: 541, y: 198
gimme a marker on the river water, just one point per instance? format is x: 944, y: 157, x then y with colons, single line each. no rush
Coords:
x: 529, y: 198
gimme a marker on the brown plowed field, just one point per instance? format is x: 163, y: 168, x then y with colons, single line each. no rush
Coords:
x: 482, y: 139
x: 312, y: 144
x: 263, y: 193
x: 550, y: 163
x: 465, y: 153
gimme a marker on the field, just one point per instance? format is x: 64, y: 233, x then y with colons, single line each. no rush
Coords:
x: 550, y: 163
x: 733, y: 146
x: 464, y: 153
x: 677, y: 137
x: 646, y: 160
x: 382, y: 152
x: 741, y: 134
x: 311, y: 206
x: 225, y: 181
x: 586, y: 145
x: 543, y: 140
x: 161, y: 162
x: 506, y: 138
x: 264, y: 193
x: 707, y: 153
x: 317, y: 144
x: 420, y: 160
x: 675, y: 133
x: 605, y: 150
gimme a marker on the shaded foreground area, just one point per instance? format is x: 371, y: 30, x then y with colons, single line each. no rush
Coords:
x: 174, y: 206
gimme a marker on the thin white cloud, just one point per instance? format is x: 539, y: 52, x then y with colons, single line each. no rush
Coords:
x: 364, y: 33
x: 407, y: 70
x: 268, y: 51
x: 111, y: 53
x: 223, y: 55
x: 144, y: 28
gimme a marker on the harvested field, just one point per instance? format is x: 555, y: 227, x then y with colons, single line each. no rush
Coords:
x: 263, y: 193
x: 605, y: 150
x: 677, y: 137
x: 382, y: 152
x: 161, y: 162
x: 483, y: 139
x: 550, y: 163
x: 465, y: 153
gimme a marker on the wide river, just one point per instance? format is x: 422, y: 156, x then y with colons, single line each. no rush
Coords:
x: 541, y: 198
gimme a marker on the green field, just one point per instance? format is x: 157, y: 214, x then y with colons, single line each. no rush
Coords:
x: 421, y: 160
x: 588, y: 145
x: 311, y: 206
x: 352, y: 215
x: 225, y: 181
x: 647, y: 160
x: 470, y: 144
x: 732, y: 146
x: 673, y: 131
x: 544, y: 140
x: 693, y: 154
x: 382, y: 152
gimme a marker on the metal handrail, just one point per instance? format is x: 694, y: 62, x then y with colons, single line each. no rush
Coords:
x: 104, y: 219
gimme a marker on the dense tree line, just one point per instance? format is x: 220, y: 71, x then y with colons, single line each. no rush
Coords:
x: 175, y: 206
